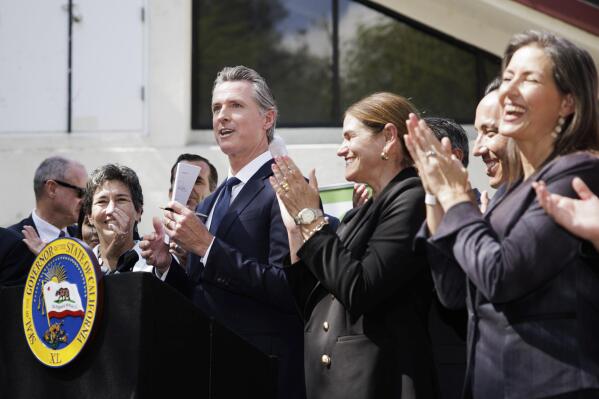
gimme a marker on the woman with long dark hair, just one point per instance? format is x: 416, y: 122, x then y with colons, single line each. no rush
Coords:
x: 534, y: 302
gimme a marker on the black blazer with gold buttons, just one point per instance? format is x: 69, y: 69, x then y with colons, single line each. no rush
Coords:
x: 365, y: 295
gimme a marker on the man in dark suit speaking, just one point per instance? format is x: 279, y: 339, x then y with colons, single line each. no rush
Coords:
x: 236, y: 256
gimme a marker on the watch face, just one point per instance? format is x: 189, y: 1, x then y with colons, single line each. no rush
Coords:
x: 307, y: 216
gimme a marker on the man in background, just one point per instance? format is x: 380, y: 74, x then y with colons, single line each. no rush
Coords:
x: 205, y: 183
x: 59, y: 186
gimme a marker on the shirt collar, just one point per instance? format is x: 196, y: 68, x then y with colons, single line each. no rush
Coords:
x: 251, y: 168
x: 45, y: 230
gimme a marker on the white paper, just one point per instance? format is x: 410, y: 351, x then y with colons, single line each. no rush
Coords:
x: 277, y: 146
x: 185, y: 178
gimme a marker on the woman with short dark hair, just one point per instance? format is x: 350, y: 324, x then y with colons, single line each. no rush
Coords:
x: 114, y: 204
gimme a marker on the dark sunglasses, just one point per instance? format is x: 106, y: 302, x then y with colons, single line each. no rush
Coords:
x: 78, y: 190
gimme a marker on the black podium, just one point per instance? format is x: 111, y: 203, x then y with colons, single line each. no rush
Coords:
x: 150, y: 341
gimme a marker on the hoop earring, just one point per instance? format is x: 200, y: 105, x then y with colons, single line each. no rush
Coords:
x: 384, y: 156
x: 558, y: 128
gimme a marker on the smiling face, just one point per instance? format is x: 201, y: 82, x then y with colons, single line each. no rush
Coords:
x: 361, y: 150
x: 109, y: 196
x: 489, y: 144
x: 531, y: 102
x: 238, y: 123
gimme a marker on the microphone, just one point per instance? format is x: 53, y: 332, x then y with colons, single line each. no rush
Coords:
x: 127, y: 261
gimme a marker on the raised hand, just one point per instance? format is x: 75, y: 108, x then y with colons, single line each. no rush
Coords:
x: 360, y: 195
x: 32, y: 240
x: 120, y: 225
x: 578, y: 216
x: 154, y: 249
x: 442, y: 174
x: 293, y: 194
x: 292, y: 188
x: 186, y: 229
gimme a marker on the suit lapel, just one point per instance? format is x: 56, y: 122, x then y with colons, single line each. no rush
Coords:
x: 249, y: 191
x: 355, y: 223
x: 28, y: 222
x: 501, y: 192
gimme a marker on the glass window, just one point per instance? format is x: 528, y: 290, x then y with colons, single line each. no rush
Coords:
x: 320, y: 56
x: 286, y: 41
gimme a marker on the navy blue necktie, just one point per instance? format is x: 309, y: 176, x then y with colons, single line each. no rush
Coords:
x: 222, y: 206
x: 62, y: 234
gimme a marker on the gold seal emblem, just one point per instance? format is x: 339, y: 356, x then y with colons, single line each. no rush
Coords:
x: 61, y: 300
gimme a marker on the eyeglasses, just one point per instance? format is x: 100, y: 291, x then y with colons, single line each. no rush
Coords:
x: 78, y: 190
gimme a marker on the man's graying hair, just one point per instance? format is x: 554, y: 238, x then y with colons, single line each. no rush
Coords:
x: 53, y: 168
x: 443, y: 127
x: 262, y: 93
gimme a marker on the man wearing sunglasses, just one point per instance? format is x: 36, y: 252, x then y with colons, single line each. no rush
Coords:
x: 59, y: 185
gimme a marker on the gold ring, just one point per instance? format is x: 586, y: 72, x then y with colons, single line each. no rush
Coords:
x: 285, y: 185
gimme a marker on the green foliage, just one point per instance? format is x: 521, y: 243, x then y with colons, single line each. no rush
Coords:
x: 391, y: 56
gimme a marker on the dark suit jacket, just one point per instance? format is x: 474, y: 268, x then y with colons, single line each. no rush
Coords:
x: 15, y: 259
x: 28, y: 221
x: 25, y: 256
x: 533, y: 300
x: 243, y: 285
x: 365, y: 297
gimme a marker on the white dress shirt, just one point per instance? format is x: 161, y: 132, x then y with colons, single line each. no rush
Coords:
x: 45, y: 230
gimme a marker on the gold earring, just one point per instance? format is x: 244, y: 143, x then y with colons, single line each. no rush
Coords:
x: 384, y: 156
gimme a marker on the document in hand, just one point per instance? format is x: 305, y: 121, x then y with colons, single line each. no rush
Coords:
x: 185, y: 179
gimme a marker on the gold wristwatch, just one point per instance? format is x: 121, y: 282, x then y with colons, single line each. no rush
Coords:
x: 307, y: 216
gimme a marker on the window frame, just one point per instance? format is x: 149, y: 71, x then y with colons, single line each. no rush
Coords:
x: 480, y: 56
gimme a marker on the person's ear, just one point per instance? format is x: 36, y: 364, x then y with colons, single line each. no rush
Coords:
x: 390, y: 133
x: 269, y: 118
x: 459, y: 154
x: 50, y: 187
x: 568, y: 105
x: 92, y: 221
